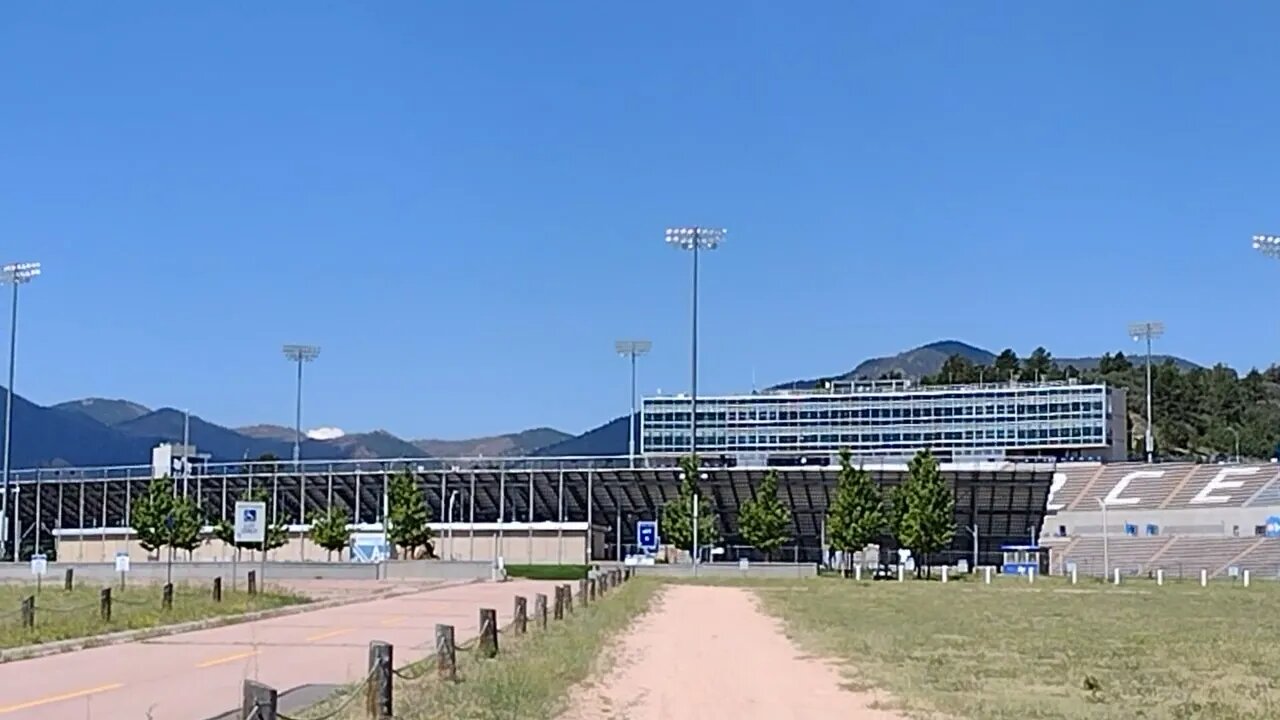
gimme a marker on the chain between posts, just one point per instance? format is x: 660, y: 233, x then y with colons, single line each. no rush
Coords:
x: 356, y: 691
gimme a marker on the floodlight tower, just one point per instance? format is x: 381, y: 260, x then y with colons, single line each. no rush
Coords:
x: 299, y: 354
x: 695, y: 239
x: 1148, y: 331
x: 1268, y: 245
x: 14, y: 274
x: 632, y: 349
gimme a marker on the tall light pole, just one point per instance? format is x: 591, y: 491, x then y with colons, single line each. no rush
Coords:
x: 632, y: 349
x: 299, y: 354
x: 14, y: 274
x: 1148, y: 331
x: 695, y: 239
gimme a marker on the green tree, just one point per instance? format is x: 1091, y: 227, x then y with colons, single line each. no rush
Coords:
x: 676, y: 525
x: 161, y: 518
x: 329, y: 530
x: 409, y: 527
x: 763, y: 520
x: 1039, y: 365
x: 1005, y: 364
x: 925, y: 510
x: 857, y: 516
x: 277, y: 534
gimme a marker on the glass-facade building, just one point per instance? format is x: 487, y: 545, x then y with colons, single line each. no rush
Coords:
x: 892, y: 420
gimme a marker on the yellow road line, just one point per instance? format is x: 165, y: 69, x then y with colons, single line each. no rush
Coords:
x: 6, y: 709
x: 227, y: 659
x: 393, y: 621
x: 331, y: 633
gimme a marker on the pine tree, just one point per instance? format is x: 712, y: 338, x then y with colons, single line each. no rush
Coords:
x: 409, y: 514
x: 329, y: 530
x: 857, y: 516
x: 925, y: 510
x: 763, y: 520
x: 676, y: 525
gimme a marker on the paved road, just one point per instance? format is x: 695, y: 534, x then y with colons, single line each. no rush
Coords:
x: 198, y: 675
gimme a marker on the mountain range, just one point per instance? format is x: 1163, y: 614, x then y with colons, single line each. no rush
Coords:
x: 99, y: 431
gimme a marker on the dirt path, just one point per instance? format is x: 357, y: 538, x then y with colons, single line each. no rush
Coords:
x: 709, y: 652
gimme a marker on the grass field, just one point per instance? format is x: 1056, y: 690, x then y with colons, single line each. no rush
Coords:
x: 1009, y: 650
x: 531, y: 676
x: 64, y: 615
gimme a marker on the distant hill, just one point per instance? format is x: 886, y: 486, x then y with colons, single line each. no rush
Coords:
x: 526, y: 442
x: 267, y: 432
x: 107, y: 412
x: 607, y: 439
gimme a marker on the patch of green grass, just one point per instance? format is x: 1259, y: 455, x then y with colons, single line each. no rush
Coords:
x: 64, y: 615
x: 1049, y: 650
x: 531, y: 676
x: 548, y: 572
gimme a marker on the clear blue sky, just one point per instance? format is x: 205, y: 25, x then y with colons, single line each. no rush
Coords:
x: 464, y: 203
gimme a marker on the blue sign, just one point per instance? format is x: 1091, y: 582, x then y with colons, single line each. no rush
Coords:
x: 647, y: 535
x: 1272, y: 528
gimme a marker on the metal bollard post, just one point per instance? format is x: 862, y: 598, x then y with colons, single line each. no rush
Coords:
x: 260, y: 702
x: 568, y: 599
x: 1116, y: 573
x: 377, y: 694
x: 29, y: 611
x: 487, y: 645
x: 104, y: 604
x: 520, y: 615
x: 166, y: 597
x: 540, y: 610
x: 558, y: 611
x: 1244, y: 577
x: 591, y: 589
x: 446, y: 653
x: 1160, y: 577
x: 1204, y: 577
x: 986, y: 575
x: 68, y: 581
x: 217, y: 589
x: 944, y: 573
x: 253, y: 582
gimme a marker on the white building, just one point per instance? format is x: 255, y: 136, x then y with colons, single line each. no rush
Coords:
x: 892, y: 420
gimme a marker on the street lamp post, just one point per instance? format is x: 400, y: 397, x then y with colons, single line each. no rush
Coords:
x: 1236, y: 433
x: 1148, y: 331
x: 299, y: 354
x: 695, y: 239
x: 14, y: 274
x: 632, y: 349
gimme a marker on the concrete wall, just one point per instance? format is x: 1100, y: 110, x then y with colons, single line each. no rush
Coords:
x: 527, y: 546
x: 730, y: 570
x: 1213, y: 521
x: 206, y: 571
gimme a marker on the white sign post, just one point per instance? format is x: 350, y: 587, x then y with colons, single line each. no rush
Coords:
x: 122, y: 565
x: 39, y: 566
x: 251, y: 527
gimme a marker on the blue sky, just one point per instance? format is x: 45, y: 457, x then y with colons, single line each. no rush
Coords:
x: 464, y: 203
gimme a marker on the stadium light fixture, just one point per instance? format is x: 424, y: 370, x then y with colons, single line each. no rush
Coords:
x: 632, y: 349
x: 1148, y: 331
x: 695, y: 239
x: 1267, y: 245
x: 299, y: 354
x: 14, y: 274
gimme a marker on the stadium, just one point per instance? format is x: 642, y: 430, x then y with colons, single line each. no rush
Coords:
x: 1011, y: 454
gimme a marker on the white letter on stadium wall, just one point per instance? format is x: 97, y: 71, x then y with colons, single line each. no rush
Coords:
x: 1220, y: 482
x: 1113, y: 497
x: 1059, y: 479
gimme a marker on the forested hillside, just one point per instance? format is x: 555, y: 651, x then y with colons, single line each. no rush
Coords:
x: 1199, y: 412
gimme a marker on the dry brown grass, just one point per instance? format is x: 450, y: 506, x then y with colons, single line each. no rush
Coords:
x: 1048, y: 651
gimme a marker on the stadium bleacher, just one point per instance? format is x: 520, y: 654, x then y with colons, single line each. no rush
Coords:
x: 1176, y: 517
